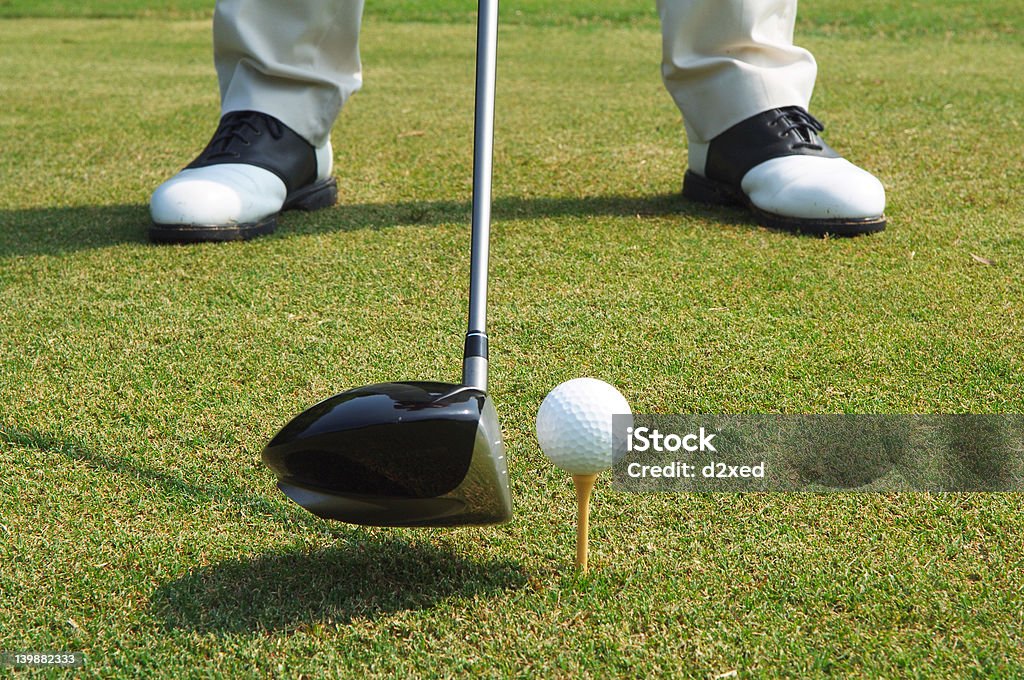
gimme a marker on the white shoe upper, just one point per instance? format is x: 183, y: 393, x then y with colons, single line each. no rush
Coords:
x: 225, y: 194
x: 813, y: 187
x: 806, y: 187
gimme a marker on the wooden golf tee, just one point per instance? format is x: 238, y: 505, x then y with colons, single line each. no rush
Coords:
x: 584, y: 486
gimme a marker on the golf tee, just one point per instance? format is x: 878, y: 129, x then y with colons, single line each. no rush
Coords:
x: 584, y: 486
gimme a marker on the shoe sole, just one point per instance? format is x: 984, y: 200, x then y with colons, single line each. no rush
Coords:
x: 704, y: 190
x: 319, y: 195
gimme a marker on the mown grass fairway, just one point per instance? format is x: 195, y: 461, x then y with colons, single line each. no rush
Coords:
x: 138, y: 384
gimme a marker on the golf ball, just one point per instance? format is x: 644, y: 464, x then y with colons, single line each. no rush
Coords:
x: 574, y: 425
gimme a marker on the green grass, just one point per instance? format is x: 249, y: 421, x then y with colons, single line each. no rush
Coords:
x: 993, y: 19
x: 138, y: 384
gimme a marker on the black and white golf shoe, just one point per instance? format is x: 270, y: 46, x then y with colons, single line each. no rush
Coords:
x: 254, y: 168
x: 777, y: 165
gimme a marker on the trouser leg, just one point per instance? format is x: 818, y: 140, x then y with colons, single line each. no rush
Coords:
x: 724, y: 61
x: 297, y: 60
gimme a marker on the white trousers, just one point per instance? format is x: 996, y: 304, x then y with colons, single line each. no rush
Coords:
x: 722, y: 60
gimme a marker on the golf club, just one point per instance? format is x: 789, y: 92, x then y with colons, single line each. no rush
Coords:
x: 414, y: 454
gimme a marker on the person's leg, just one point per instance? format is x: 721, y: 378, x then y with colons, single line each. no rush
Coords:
x: 743, y: 88
x: 285, y: 71
x: 297, y: 61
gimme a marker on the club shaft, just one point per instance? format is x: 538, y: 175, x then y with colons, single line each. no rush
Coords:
x: 474, y: 366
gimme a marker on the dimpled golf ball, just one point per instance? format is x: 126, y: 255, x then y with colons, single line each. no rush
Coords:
x: 574, y: 425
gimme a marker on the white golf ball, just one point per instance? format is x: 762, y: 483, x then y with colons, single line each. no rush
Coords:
x: 574, y: 425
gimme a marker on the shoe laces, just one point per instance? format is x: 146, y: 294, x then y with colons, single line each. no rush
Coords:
x: 805, y: 126
x: 238, y: 127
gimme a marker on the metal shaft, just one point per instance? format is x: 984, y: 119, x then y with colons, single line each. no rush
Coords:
x: 474, y: 363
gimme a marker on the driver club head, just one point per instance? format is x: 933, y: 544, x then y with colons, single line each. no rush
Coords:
x: 403, y: 454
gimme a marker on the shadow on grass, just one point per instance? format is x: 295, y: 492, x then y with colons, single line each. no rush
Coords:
x: 363, y: 577
x: 292, y: 589
x: 53, y: 231
x: 164, y: 483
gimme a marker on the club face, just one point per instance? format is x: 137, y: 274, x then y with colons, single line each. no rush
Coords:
x: 396, y: 454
